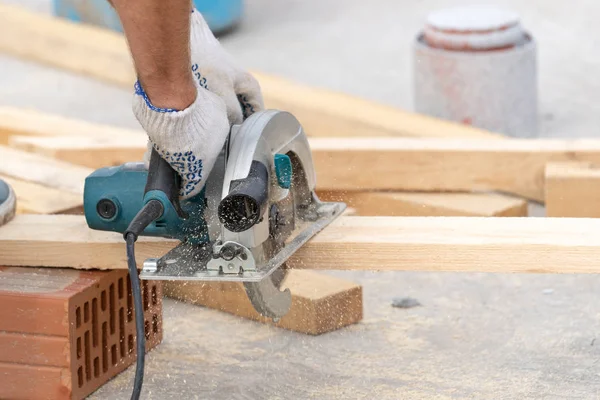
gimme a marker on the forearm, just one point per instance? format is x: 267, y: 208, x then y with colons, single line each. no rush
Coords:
x: 167, y: 37
x: 158, y: 34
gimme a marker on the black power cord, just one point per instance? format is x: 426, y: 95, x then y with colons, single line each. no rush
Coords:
x: 149, y: 213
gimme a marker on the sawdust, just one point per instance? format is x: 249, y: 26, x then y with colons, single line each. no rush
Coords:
x: 198, y: 334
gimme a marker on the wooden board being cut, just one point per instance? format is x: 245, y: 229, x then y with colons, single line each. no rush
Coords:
x: 468, y: 244
x: 21, y: 121
x: 572, y: 190
x: 103, y: 54
x: 320, y: 303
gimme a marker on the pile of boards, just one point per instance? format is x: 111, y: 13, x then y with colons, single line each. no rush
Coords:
x: 424, y: 194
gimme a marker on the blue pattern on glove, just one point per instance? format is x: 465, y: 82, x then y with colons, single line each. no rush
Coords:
x: 187, y: 165
x: 140, y: 92
x: 201, y: 79
x: 247, y: 108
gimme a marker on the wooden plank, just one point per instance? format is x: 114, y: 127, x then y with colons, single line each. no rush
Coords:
x: 103, y: 54
x: 320, y: 303
x: 325, y: 113
x: 109, y: 150
x: 572, y: 190
x: 469, y: 244
x: 42, y: 170
x: 80, y: 48
x: 23, y: 121
x: 405, y: 204
x: 33, y: 198
x: 357, y: 164
x: 513, y: 165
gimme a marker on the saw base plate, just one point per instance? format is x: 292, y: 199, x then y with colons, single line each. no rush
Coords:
x: 188, y: 262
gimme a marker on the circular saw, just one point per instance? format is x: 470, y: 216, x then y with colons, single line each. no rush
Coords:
x: 257, y: 208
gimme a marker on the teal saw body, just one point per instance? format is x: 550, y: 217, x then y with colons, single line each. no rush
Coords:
x: 113, y: 196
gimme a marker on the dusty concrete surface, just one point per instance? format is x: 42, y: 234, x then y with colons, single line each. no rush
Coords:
x: 476, y: 336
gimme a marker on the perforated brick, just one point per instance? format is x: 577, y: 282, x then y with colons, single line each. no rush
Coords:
x: 64, y: 333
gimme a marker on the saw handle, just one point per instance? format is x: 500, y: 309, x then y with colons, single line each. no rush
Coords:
x: 162, y: 177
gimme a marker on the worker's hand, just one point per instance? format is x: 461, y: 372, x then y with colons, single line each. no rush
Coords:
x: 215, y: 69
x: 191, y: 139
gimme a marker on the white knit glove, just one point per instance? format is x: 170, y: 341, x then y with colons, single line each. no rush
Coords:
x: 191, y: 139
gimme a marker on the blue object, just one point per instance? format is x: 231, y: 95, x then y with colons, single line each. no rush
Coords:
x: 219, y: 14
x: 283, y: 170
x: 113, y: 196
x: 4, y: 191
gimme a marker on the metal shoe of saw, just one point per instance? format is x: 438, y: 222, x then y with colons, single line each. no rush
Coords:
x: 258, y: 207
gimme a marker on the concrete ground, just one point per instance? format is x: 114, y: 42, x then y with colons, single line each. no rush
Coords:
x: 481, y: 336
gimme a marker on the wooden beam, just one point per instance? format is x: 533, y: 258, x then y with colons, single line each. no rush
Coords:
x: 111, y: 150
x: 42, y: 170
x: 320, y: 303
x: 357, y: 164
x: 90, y: 152
x: 572, y: 190
x: 513, y: 165
x: 81, y: 48
x: 468, y: 244
x: 103, y: 54
x: 33, y: 198
x: 325, y: 113
x: 405, y: 204
x: 23, y: 121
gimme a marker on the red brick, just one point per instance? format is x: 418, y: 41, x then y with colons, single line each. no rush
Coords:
x: 32, y: 382
x: 64, y: 333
